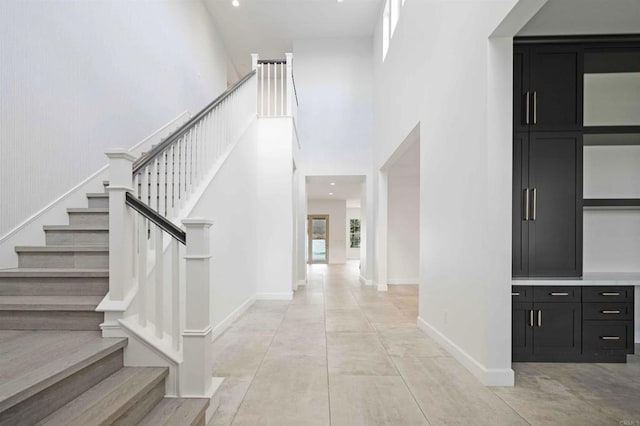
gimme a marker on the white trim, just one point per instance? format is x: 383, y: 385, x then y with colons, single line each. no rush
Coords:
x: 302, y: 283
x: 222, y: 326
x: 488, y: 377
x: 403, y: 281
x: 286, y: 295
x: 383, y: 287
x: 365, y: 281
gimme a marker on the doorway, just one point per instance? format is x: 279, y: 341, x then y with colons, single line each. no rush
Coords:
x: 318, y: 226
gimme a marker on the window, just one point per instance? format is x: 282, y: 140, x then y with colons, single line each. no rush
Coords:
x: 395, y: 14
x: 354, y: 233
x: 386, y: 26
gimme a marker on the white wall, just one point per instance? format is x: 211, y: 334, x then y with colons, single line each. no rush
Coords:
x: 79, y: 77
x: 234, y: 251
x: 403, y: 237
x: 337, y: 211
x: 352, y: 213
x: 277, y: 151
x: 334, y: 83
x: 443, y: 72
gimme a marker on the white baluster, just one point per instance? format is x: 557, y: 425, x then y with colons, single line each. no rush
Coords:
x: 159, y: 282
x: 261, y: 89
x: 290, y: 94
x: 268, y: 89
x: 283, y: 80
x: 176, y: 319
x: 188, y: 151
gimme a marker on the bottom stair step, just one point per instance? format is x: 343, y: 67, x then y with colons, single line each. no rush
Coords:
x: 177, y: 412
x: 125, y: 397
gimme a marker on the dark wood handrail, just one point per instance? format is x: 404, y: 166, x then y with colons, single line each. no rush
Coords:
x: 164, y: 223
x: 148, y: 157
x: 272, y: 61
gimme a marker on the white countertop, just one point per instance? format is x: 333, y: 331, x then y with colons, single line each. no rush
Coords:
x: 588, y: 278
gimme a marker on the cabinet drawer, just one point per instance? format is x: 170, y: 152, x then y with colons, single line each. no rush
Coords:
x: 599, y: 336
x: 608, y: 294
x: 556, y: 294
x: 607, y: 311
x: 521, y: 293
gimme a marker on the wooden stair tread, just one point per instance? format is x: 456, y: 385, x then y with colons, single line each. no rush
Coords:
x: 75, y: 228
x: 87, y: 210
x: 31, y: 361
x: 53, y: 273
x: 97, y: 195
x: 60, y: 249
x: 49, y: 303
x: 176, y: 412
x: 105, y: 402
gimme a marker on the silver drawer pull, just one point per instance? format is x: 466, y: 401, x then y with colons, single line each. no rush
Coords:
x: 515, y: 294
x: 610, y: 294
x: 610, y: 338
x: 610, y: 312
x: 559, y: 294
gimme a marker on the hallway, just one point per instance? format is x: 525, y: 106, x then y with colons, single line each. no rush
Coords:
x: 344, y: 354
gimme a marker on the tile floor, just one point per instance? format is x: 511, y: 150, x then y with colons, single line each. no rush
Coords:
x: 344, y: 354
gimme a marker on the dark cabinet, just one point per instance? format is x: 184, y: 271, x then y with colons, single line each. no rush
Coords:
x: 572, y: 323
x: 547, y: 88
x: 547, y: 204
x: 548, y: 328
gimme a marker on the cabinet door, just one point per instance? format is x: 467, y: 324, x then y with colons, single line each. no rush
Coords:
x: 555, y: 181
x: 521, y: 111
x: 521, y: 331
x: 557, y: 330
x: 521, y: 208
x: 556, y: 88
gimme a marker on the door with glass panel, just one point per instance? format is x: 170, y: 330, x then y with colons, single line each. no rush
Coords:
x: 318, y: 233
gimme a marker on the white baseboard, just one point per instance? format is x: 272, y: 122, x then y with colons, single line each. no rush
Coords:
x: 302, y: 283
x: 365, y: 281
x: 286, y: 295
x: 402, y: 281
x: 488, y: 377
x: 222, y: 326
x: 383, y: 287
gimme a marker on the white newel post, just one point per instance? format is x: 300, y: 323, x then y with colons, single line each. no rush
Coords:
x: 254, y: 61
x: 121, y: 238
x: 195, y: 375
x: 290, y: 95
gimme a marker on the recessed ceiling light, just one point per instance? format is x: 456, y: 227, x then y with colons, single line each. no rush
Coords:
x: 340, y: 1
x: 331, y: 193
x: 235, y: 3
x: 332, y: 184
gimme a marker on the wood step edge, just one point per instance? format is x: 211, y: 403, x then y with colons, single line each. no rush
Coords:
x: 177, y: 412
x: 110, y: 399
x: 40, y: 379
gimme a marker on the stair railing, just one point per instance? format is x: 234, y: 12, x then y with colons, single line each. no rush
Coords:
x: 277, y: 94
x: 159, y: 278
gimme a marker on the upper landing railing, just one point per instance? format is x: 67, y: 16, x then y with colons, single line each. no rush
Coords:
x: 277, y: 94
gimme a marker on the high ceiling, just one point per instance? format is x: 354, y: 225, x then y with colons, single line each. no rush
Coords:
x: 268, y: 27
x: 347, y: 188
x: 569, y: 17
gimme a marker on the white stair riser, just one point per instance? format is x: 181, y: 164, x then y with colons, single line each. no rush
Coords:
x: 54, y: 286
x: 77, y: 238
x: 80, y: 260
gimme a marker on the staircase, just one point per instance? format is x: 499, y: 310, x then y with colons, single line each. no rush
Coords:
x: 55, y: 366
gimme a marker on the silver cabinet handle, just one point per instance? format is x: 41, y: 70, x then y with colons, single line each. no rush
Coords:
x: 535, y: 203
x: 559, y: 294
x: 610, y: 294
x: 535, y: 107
x: 539, y: 318
x: 527, y: 109
x: 531, y: 318
x: 610, y: 312
x: 610, y: 338
x: 515, y: 294
x: 526, y: 204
